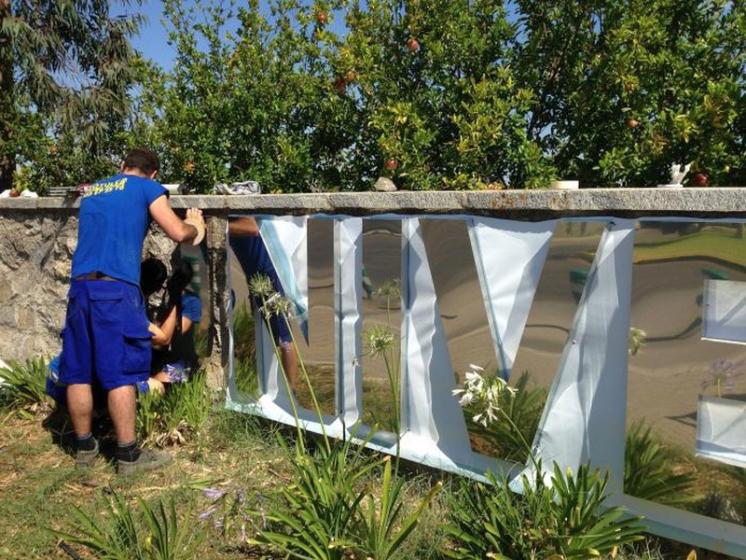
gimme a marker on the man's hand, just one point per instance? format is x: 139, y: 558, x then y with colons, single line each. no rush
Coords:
x: 175, y: 227
x: 194, y: 218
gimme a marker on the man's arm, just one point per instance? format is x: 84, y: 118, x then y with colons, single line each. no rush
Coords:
x: 243, y: 227
x: 177, y: 229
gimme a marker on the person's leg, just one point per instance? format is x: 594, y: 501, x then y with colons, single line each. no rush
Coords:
x: 75, y: 371
x: 123, y: 359
x: 122, y: 405
x: 80, y: 407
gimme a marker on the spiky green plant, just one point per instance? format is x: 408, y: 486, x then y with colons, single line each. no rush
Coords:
x: 313, y: 517
x: 648, y: 470
x: 22, y: 385
x: 118, y: 532
x: 381, y: 528
x: 176, y: 416
x: 565, y: 519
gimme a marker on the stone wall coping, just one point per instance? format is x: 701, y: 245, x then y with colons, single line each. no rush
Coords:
x: 528, y: 204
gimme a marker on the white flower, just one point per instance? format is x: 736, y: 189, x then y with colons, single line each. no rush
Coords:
x: 484, y: 394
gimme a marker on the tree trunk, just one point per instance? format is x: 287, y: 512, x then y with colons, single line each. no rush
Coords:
x: 7, y: 109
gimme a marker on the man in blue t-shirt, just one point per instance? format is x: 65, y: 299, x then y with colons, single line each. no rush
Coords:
x: 254, y: 259
x: 107, y: 338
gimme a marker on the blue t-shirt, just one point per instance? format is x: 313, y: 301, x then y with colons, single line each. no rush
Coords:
x: 113, y: 221
x: 252, y: 255
x: 191, y: 307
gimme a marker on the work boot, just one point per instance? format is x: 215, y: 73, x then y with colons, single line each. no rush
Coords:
x: 84, y: 458
x: 147, y: 461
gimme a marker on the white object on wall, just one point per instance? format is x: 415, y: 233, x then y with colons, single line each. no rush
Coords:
x: 724, y: 311
x: 430, y: 413
x: 584, y: 418
x: 721, y: 430
x: 509, y: 257
x: 348, y: 320
x: 285, y: 239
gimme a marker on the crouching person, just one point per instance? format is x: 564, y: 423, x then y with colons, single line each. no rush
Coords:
x: 106, y: 338
x: 174, y: 353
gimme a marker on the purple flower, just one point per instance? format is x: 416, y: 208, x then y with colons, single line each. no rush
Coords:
x: 208, y: 512
x: 213, y: 493
x: 722, y: 375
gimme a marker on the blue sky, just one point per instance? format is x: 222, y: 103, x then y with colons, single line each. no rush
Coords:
x: 153, y: 38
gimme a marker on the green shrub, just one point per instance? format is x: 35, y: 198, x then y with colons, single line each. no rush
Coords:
x: 338, y: 506
x: 649, y: 472
x: 178, y: 415
x: 314, y: 515
x: 118, y: 532
x: 380, y: 527
x: 565, y: 519
x: 22, y: 385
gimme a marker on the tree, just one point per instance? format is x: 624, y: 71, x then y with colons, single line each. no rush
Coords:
x: 330, y: 94
x: 623, y: 89
x: 66, y: 68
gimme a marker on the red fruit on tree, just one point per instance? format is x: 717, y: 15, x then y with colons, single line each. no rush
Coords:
x: 351, y: 77
x: 322, y: 18
x: 632, y: 123
x: 700, y: 180
x: 391, y: 164
x: 413, y: 44
x: 340, y: 85
x: 14, y: 193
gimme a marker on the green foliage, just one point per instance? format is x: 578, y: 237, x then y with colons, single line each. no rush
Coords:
x: 649, y: 471
x: 244, y: 355
x: 176, y: 416
x: 566, y: 519
x: 67, y: 71
x: 314, y: 516
x: 506, y: 438
x: 380, y: 530
x: 338, y: 506
x: 22, y: 385
x: 289, y: 102
x: 451, y: 94
x: 624, y: 89
x: 118, y: 532
x: 433, y: 93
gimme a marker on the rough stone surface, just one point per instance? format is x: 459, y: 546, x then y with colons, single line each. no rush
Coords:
x: 159, y: 246
x: 217, y: 278
x: 35, y: 252
x: 532, y: 204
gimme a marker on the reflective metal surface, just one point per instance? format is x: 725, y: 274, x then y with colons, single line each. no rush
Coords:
x: 670, y: 365
x: 381, y: 322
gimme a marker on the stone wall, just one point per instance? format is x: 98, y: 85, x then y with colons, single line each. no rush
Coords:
x: 35, y: 256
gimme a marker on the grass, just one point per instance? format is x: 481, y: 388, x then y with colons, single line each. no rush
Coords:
x: 40, y: 487
x: 232, y: 452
